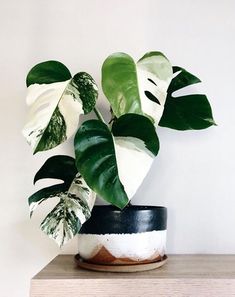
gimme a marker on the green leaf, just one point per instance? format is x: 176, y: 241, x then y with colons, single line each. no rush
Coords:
x: 181, y: 80
x: 186, y: 112
x: 119, y: 82
x: 95, y: 158
x: 48, y: 72
x: 137, y: 88
x: 137, y: 126
x: 59, y: 167
x: 55, y: 108
x: 76, y: 199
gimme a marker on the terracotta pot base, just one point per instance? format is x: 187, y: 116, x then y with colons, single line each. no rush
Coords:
x: 104, y: 257
x: 134, y: 267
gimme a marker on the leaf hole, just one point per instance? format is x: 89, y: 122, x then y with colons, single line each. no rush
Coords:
x: 151, y: 97
x: 153, y: 82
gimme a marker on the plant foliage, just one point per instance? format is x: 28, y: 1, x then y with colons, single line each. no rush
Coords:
x: 111, y: 160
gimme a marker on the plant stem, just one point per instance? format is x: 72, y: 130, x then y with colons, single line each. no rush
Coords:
x: 129, y: 204
x: 99, y: 115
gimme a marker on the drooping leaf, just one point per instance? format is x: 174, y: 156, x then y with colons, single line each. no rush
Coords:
x: 76, y: 200
x: 136, y: 145
x: 137, y: 88
x: 189, y: 111
x: 115, y: 165
x: 62, y: 223
x: 96, y: 160
x: 73, y: 209
x: 56, y: 104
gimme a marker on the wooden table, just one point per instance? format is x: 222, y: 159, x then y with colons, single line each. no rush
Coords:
x: 183, y: 275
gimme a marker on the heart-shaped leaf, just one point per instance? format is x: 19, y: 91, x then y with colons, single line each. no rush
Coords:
x: 96, y: 160
x: 76, y: 200
x: 57, y: 167
x: 56, y: 101
x: 186, y: 112
x: 137, y: 87
x: 115, y: 165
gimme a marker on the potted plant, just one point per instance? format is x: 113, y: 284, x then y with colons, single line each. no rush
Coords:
x: 111, y: 159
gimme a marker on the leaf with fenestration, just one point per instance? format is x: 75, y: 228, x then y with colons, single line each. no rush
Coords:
x: 56, y: 100
x: 55, y: 191
x: 188, y: 111
x: 140, y: 87
x: 57, y: 167
x: 73, y: 209
x: 76, y: 199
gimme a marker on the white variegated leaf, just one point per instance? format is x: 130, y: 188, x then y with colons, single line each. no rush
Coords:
x: 34, y: 203
x: 133, y: 161
x: 73, y: 209
x: 62, y: 223
x: 154, y: 74
x: 84, y: 196
x: 136, y: 144
x: 55, y: 109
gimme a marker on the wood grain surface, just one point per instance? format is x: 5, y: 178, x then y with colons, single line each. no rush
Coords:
x: 181, y: 276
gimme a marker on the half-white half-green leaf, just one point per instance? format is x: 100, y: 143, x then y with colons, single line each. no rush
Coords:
x: 55, y: 105
x: 137, y: 87
x: 76, y: 199
x: 136, y: 145
x: 114, y: 163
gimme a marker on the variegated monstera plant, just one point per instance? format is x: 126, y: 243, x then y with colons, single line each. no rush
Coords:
x: 111, y: 159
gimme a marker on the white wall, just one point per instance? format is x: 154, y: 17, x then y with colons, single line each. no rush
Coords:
x: 194, y: 173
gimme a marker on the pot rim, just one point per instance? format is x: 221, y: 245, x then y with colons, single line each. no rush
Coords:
x: 133, y: 207
x: 132, y: 219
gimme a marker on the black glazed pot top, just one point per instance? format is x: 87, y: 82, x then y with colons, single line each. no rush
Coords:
x: 132, y: 219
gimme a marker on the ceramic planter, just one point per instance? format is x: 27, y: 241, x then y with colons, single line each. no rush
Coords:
x: 135, y: 235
